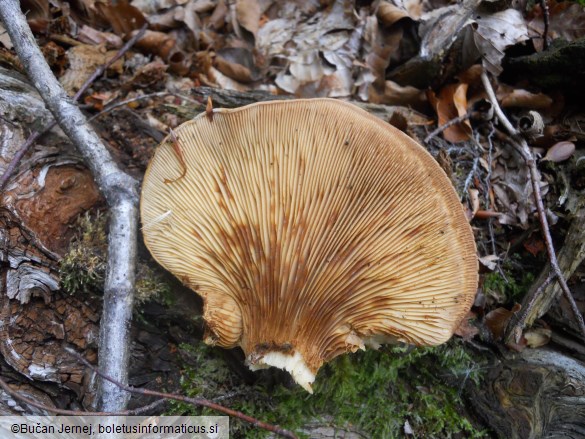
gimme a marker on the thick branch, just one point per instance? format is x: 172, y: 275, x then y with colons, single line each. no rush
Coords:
x: 120, y: 191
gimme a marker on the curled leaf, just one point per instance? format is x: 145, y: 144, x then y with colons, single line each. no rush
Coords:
x: 466, y: 329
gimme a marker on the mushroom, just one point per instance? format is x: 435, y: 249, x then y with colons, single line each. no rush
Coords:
x: 310, y: 228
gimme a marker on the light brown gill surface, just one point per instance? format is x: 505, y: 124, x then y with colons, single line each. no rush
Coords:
x: 310, y: 226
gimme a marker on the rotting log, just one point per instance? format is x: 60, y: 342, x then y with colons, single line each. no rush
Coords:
x: 538, y: 393
x: 231, y: 99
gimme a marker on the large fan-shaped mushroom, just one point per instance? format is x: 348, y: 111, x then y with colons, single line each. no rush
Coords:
x: 310, y: 228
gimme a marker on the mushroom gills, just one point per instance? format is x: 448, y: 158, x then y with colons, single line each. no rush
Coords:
x: 310, y: 228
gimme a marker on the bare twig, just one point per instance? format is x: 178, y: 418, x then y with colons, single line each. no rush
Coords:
x: 112, y: 106
x: 470, y: 176
x: 488, y: 189
x: 522, y: 147
x: 119, y: 54
x: 446, y: 125
x: 121, y: 193
x: 546, y: 19
x: 202, y: 402
x: 115, y: 105
x: 37, y: 133
x: 16, y: 395
x: 488, y: 177
x: 21, y: 153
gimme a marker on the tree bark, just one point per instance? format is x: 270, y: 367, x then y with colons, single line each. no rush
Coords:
x: 539, y: 393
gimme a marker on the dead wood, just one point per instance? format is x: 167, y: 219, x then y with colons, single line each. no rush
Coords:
x: 570, y: 257
x: 230, y: 99
x: 120, y: 191
x: 538, y: 393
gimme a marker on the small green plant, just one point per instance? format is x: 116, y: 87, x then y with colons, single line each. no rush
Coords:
x: 375, y: 392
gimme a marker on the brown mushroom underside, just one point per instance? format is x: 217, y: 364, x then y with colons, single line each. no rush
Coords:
x: 310, y: 228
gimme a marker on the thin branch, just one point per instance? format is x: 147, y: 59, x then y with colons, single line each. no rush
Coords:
x: 202, y: 402
x: 446, y: 125
x: 488, y: 177
x: 546, y: 19
x: 517, y: 321
x: 134, y: 412
x: 36, y: 134
x: 119, y: 54
x: 115, y: 105
x: 121, y: 193
x: 470, y: 177
x: 522, y: 147
x: 21, y: 153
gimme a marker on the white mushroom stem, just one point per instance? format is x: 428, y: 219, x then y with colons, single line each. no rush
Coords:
x: 293, y: 364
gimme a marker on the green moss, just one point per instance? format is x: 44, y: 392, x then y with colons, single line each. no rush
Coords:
x: 508, y: 289
x: 375, y: 392
x: 150, y: 286
x: 83, y: 268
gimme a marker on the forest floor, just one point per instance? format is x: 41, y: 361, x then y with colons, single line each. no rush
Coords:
x: 418, y: 66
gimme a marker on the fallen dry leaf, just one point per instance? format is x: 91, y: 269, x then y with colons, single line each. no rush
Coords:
x: 441, y: 27
x: 215, y: 78
x: 219, y: 16
x: 492, y: 33
x: 559, y: 152
x: 316, y: 51
x: 466, y: 330
x: 237, y: 63
x: 37, y: 14
x: 156, y: 43
x: 534, y: 245
x: 495, y: 32
x: 248, y: 14
x: 474, y: 200
x: 122, y: 16
x: 380, y: 45
x: 450, y: 104
x: 389, y: 14
x: 83, y: 60
x: 497, y: 320
x: 408, y: 96
x: 517, y: 97
x: 89, y: 35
